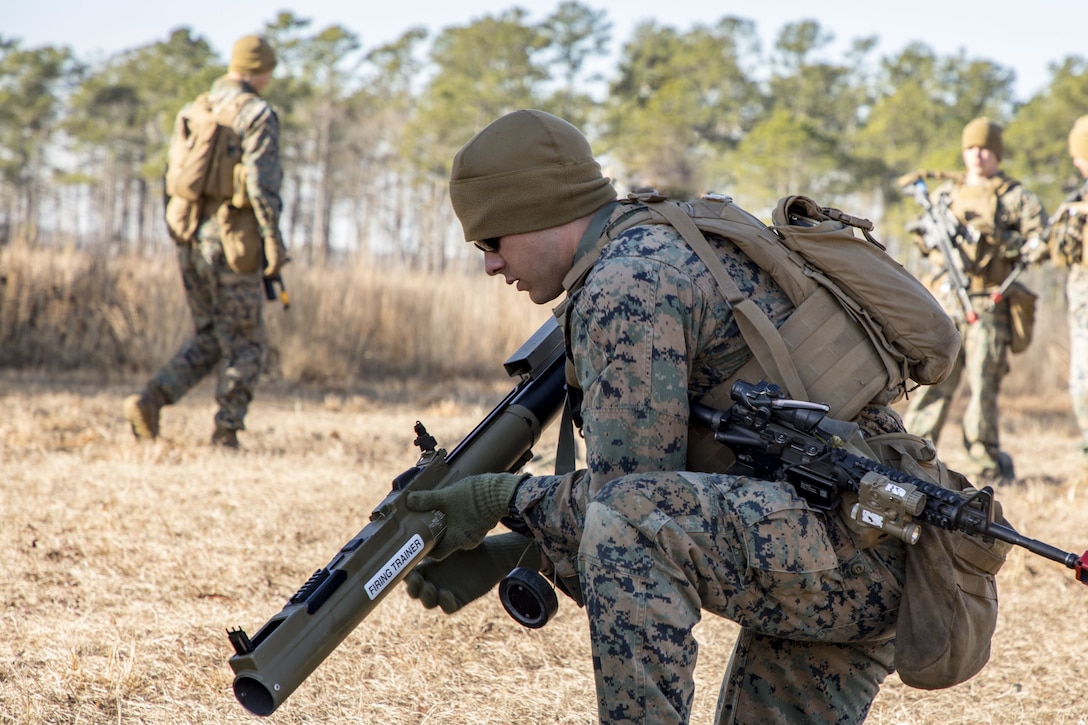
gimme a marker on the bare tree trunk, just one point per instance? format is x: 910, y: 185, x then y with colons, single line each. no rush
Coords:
x: 300, y: 246
x: 141, y: 216
x: 24, y: 228
x: 323, y: 196
x: 104, y: 207
x: 434, y: 232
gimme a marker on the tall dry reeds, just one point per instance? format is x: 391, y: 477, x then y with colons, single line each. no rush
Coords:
x: 108, y: 315
x: 65, y: 309
x: 71, y: 309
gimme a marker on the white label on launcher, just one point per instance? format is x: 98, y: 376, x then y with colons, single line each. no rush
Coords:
x: 394, y: 566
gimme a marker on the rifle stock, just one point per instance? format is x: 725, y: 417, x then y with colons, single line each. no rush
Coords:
x: 332, y: 603
x: 939, y: 232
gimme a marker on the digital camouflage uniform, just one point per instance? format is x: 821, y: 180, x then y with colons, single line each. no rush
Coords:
x: 1067, y: 249
x: 651, y: 547
x: 983, y: 359
x: 225, y: 305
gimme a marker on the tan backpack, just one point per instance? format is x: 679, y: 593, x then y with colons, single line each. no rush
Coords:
x: 204, y: 150
x: 863, y: 325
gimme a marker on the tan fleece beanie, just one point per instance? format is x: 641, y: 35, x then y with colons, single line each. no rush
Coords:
x: 252, y: 54
x: 527, y: 171
x: 984, y: 133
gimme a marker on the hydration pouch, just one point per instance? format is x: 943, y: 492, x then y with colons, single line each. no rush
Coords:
x: 949, y: 609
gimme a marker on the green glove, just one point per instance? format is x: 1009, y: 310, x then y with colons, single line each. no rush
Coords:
x: 472, y: 506
x: 465, y: 576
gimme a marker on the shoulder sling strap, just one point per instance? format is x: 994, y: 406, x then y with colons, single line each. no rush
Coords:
x: 759, y: 332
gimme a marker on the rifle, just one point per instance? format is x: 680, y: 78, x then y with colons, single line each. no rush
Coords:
x: 939, y: 228
x: 270, y: 290
x: 271, y: 282
x: 269, y: 666
x: 779, y: 439
x: 999, y: 294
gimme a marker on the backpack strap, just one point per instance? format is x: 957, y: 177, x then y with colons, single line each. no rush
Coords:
x: 762, y: 337
x: 759, y: 332
x: 226, y: 114
x: 1006, y: 184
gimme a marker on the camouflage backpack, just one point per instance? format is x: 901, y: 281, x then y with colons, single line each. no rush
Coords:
x: 204, y: 150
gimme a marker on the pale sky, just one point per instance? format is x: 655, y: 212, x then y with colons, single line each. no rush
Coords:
x: 1024, y: 36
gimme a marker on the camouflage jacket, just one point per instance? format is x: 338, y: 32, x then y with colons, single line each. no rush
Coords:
x: 1001, y: 220
x: 259, y: 129
x: 648, y: 331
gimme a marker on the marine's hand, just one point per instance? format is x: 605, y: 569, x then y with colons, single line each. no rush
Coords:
x: 275, y: 256
x: 465, y: 576
x: 1069, y: 209
x: 909, y: 179
x: 472, y: 506
x: 1034, y: 251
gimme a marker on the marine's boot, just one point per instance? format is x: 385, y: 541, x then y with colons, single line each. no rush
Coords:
x: 1005, y: 466
x: 142, y: 412
x: 225, y: 437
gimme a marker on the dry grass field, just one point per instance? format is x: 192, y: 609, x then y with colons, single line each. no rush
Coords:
x: 124, y: 565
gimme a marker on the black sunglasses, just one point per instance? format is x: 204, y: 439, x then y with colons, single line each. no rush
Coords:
x: 487, y: 245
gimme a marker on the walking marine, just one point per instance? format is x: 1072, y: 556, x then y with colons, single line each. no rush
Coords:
x: 223, y: 211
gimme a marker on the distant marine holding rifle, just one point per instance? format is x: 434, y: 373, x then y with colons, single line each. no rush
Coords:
x: 979, y: 230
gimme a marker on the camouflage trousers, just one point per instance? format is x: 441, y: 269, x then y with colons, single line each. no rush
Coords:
x: 1076, y: 292
x: 229, y: 337
x: 817, y: 613
x: 984, y: 362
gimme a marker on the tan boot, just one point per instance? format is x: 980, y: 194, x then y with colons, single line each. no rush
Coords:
x: 225, y: 438
x: 142, y: 412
